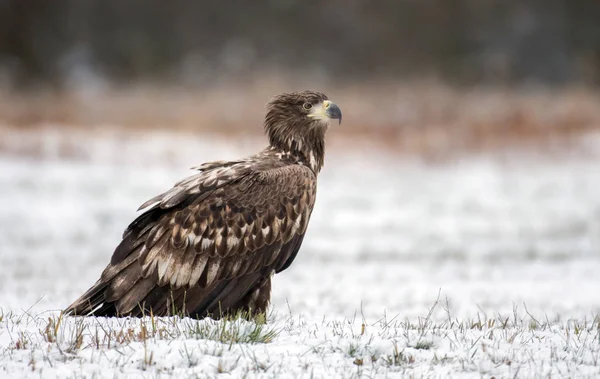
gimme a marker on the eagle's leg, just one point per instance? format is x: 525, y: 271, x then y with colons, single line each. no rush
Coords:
x: 256, y: 301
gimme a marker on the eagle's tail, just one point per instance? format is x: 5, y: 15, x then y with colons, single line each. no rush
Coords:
x: 89, y: 301
x: 93, y: 301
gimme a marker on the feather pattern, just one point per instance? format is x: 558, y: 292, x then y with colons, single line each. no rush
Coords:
x: 211, y: 243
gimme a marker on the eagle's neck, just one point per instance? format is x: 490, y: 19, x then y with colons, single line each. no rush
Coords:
x: 307, y: 149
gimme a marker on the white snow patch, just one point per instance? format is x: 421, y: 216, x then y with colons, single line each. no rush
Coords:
x: 516, y: 240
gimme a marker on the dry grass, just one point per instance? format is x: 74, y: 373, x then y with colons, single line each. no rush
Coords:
x: 502, y: 345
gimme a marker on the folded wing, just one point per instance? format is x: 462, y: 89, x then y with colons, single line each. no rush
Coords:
x: 203, y: 245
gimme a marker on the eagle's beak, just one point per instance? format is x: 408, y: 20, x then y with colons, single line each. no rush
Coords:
x: 332, y: 110
x: 327, y: 110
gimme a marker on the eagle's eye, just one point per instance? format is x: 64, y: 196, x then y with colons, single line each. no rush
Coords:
x: 307, y: 106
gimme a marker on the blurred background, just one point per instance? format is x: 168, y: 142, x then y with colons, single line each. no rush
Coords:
x: 470, y: 137
x: 426, y: 75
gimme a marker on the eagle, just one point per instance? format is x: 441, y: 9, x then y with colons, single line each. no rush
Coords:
x: 209, y: 246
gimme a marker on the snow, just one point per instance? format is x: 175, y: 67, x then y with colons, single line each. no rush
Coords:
x: 508, y: 246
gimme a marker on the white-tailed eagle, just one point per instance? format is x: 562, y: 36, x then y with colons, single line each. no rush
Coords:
x: 209, y: 245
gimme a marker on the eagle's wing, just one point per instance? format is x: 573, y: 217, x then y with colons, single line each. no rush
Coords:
x: 207, y: 241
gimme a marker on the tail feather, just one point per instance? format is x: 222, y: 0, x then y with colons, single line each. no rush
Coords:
x: 89, y: 301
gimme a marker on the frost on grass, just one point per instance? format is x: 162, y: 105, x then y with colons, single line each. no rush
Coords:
x: 54, y: 343
x: 489, y: 233
x: 512, y: 345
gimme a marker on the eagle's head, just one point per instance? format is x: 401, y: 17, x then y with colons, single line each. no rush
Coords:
x: 296, y: 123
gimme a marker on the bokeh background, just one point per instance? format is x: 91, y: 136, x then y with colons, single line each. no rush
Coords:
x: 467, y: 162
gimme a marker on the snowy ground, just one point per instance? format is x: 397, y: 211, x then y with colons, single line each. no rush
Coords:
x: 509, y: 248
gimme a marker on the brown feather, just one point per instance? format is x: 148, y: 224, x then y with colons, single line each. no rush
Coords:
x: 210, y: 273
x: 198, y: 267
x: 213, y: 240
x: 134, y: 297
x: 123, y: 282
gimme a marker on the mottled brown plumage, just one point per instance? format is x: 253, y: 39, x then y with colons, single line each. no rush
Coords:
x: 209, y: 245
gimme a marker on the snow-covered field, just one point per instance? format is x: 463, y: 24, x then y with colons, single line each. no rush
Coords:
x: 477, y: 267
